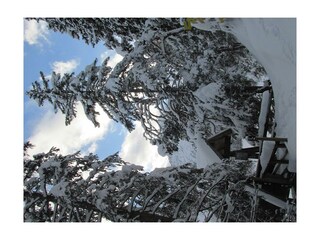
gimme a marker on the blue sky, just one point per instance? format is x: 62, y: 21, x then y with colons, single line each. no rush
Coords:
x: 48, y: 51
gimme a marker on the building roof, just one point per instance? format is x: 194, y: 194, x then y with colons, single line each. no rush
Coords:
x: 220, y: 143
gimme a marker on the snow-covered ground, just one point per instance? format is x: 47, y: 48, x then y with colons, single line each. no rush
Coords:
x: 273, y: 42
x: 200, y: 153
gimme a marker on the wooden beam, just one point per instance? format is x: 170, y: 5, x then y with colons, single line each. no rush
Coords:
x: 245, y: 153
x: 273, y: 180
x: 275, y: 139
x: 284, y: 161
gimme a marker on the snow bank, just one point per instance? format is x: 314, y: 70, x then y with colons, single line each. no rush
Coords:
x: 195, y: 151
x: 185, y: 154
x: 205, y: 155
x: 273, y: 42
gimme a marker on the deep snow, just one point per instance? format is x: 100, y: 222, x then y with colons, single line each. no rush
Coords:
x: 273, y: 42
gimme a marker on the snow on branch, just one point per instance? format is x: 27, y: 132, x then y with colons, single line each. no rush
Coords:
x: 167, y: 34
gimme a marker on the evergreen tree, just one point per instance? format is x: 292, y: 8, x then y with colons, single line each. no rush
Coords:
x: 116, y: 33
x: 88, y: 87
x: 75, y: 188
x: 162, y: 77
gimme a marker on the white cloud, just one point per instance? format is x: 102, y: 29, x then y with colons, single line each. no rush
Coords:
x: 65, y: 67
x: 81, y: 133
x: 113, y: 61
x: 93, y: 148
x: 35, y: 32
x: 136, y: 149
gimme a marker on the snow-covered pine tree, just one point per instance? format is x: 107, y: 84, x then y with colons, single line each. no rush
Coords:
x: 75, y: 188
x: 89, y: 88
x: 186, y: 84
x: 175, y: 82
x: 116, y: 33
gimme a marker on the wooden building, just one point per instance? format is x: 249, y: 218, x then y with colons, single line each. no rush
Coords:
x: 221, y: 144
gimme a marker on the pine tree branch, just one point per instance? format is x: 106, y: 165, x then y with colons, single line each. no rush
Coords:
x: 164, y: 199
x: 222, y: 177
x: 185, y: 197
x: 167, y: 34
x: 155, y: 191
